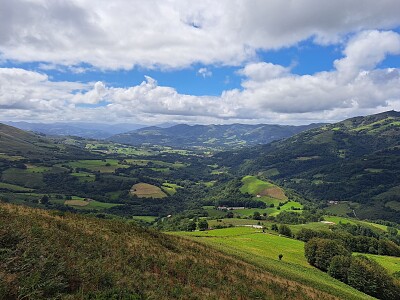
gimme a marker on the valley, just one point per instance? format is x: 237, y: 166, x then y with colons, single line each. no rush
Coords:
x: 249, y: 206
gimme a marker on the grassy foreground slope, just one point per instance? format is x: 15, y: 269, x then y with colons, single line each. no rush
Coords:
x: 48, y: 255
x: 263, y: 249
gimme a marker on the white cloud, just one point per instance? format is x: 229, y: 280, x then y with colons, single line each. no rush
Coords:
x: 270, y: 93
x: 175, y: 34
x: 204, y: 72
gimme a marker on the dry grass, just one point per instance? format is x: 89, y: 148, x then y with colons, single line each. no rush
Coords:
x: 274, y: 192
x: 48, y: 255
x: 76, y: 202
x: 145, y: 190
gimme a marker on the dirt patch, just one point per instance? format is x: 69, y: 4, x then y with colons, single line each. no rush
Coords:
x: 274, y: 192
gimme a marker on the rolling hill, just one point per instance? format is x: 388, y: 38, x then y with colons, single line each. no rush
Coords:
x: 209, y: 136
x: 354, y: 160
x: 17, y: 142
x: 51, y: 255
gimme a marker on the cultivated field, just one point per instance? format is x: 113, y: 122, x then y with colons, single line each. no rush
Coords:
x: 145, y: 190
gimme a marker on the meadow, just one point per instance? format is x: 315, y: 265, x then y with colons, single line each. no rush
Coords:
x: 262, y: 249
x: 102, y: 166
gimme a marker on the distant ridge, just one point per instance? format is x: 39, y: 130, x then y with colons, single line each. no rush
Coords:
x: 212, y: 136
x: 80, y: 129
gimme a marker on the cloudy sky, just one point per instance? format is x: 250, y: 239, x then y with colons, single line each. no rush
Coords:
x: 225, y: 61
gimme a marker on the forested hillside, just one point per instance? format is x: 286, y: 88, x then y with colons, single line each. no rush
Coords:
x: 355, y: 160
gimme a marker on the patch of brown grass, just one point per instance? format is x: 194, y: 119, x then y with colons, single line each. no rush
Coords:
x: 76, y: 202
x: 145, y: 190
x: 274, y: 192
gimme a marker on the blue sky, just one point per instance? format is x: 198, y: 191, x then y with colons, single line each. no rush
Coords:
x: 258, y: 62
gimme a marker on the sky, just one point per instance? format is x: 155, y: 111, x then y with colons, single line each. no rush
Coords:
x: 198, y: 62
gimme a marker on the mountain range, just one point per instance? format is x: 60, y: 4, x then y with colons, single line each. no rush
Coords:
x: 209, y: 136
x: 85, y: 130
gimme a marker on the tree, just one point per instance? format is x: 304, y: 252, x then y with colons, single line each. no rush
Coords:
x: 392, y: 231
x: 229, y: 215
x: 319, y: 252
x: 45, y: 199
x: 203, y: 225
x: 369, y: 277
x: 284, y: 230
x: 339, y: 267
x: 191, y: 226
x: 256, y: 215
x: 274, y: 227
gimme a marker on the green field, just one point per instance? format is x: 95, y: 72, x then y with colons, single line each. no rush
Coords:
x: 390, y: 263
x: 23, y: 177
x: 148, y: 219
x: 92, y: 204
x: 103, y: 166
x: 262, y: 249
x: 338, y: 220
x: 170, y: 188
x: 312, y: 225
x: 36, y: 169
x: 341, y: 209
x: 13, y: 187
x: 254, y: 186
x: 235, y: 222
x: 154, y: 163
x: 84, y: 176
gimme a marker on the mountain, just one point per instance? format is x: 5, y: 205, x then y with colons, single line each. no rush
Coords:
x: 85, y: 130
x: 17, y: 142
x: 52, y: 255
x: 355, y: 160
x: 210, y: 136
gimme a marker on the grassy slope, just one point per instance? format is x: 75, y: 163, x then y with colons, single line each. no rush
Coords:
x: 263, y: 250
x: 145, y: 190
x: 47, y: 255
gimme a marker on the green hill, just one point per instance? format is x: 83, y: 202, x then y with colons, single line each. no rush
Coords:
x: 210, y: 136
x: 22, y: 144
x: 48, y: 255
x: 356, y: 160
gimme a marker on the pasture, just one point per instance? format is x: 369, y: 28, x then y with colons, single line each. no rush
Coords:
x: 170, y: 188
x: 262, y: 249
x: 145, y: 190
x: 13, y: 187
x: 102, y: 166
x: 23, y: 177
x: 84, y: 176
x: 81, y: 203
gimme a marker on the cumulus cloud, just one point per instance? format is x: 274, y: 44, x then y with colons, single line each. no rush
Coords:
x: 175, y: 34
x: 204, y: 72
x: 270, y: 93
